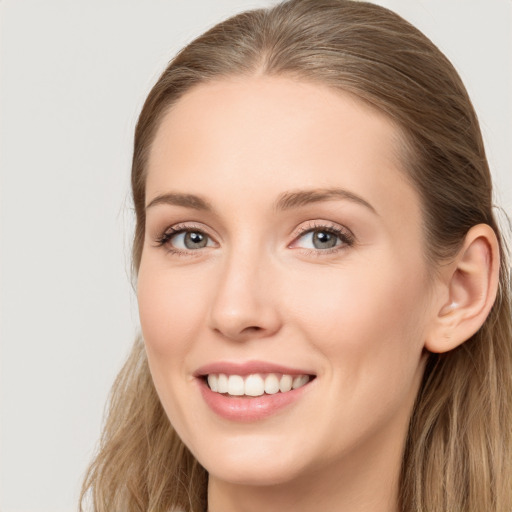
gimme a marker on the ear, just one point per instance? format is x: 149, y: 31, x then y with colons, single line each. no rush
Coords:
x: 467, y: 290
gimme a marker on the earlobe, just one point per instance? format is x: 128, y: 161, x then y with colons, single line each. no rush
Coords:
x: 470, y: 284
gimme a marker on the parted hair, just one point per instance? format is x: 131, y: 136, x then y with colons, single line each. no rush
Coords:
x: 457, y: 455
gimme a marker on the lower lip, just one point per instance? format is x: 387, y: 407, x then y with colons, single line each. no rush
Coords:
x: 247, y: 409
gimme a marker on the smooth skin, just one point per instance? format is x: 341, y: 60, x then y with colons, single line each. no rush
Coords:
x: 243, y: 277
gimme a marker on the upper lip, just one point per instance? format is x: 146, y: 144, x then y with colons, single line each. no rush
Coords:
x: 247, y: 368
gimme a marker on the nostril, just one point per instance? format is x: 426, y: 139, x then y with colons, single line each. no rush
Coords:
x: 252, y: 328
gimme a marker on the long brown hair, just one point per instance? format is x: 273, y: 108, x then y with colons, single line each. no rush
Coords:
x: 458, y: 450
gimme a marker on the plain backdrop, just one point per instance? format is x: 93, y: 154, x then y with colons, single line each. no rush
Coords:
x: 74, y: 74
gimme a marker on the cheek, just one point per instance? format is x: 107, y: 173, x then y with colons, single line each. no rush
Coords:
x: 369, y: 327
x: 365, y: 313
x: 170, y: 306
x: 170, y: 312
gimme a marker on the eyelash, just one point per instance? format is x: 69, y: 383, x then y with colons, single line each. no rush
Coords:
x: 164, y: 239
x: 345, y: 236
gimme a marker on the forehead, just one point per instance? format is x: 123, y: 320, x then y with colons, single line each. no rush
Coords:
x: 270, y: 113
x: 256, y: 136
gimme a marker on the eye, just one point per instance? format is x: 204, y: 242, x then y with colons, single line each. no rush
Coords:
x: 323, y: 238
x: 190, y: 240
x: 320, y: 240
x: 182, y: 239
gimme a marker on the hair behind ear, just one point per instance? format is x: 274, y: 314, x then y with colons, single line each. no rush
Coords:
x: 461, y: 424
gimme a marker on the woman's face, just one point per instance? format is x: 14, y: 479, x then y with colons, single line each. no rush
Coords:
x: 283, y: 247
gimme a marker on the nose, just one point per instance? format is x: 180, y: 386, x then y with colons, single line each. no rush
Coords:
x: 245, y: 305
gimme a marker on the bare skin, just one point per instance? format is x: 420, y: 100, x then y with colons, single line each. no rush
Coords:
x: 333, y: 282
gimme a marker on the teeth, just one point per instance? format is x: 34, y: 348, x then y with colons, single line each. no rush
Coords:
x: 255, y: 384
x: 222, y: 384
x: 299, y: 381
x: 236, y: 385
x: 213, y: 382
x: 285, y: 384
x: 271, y: 384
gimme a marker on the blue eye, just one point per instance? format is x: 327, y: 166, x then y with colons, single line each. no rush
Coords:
x: 323, y: 238
x: 190, y: 240
x: 185, y: 239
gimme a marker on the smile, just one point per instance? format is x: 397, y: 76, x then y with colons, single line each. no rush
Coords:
x: 255, y: 384
x: 252, y: 390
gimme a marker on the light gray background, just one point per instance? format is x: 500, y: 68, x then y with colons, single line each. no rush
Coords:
x: 74, y: 74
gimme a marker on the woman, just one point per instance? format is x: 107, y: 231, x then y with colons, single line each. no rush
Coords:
x: 322, y: 287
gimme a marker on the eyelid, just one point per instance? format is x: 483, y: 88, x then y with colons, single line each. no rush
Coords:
x: 318, y: 224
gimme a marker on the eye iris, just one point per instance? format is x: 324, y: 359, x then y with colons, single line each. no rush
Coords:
x: 195, y: 240
x: 324, y: 240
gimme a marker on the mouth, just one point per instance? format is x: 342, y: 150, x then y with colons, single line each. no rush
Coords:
x: 255, y: 384
x: 252, y: 390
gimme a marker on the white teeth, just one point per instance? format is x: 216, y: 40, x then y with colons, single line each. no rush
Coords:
x: 255, y: 384
x: 285, y: 384
x: 222, y: 384
x: 299, y: 381
x: 212, y: 382
x: 236, y: 385
x: 271, y: 384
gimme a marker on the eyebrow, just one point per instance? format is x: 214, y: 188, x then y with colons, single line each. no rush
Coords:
x: 300, y: 198
x: 286, y: 201
x: 178, y: 199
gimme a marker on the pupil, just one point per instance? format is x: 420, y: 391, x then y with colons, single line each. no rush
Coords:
x: 194, y: 240
x: 324, y: 240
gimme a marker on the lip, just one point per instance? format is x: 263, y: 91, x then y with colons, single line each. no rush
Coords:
x: 248, y: 368
x: 249, y: 409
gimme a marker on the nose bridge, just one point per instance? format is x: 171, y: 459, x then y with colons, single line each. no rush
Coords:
x: 243, y: 305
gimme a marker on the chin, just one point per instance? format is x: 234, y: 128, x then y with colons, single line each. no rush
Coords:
x: 243, y: 460
x: 269, y: 473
